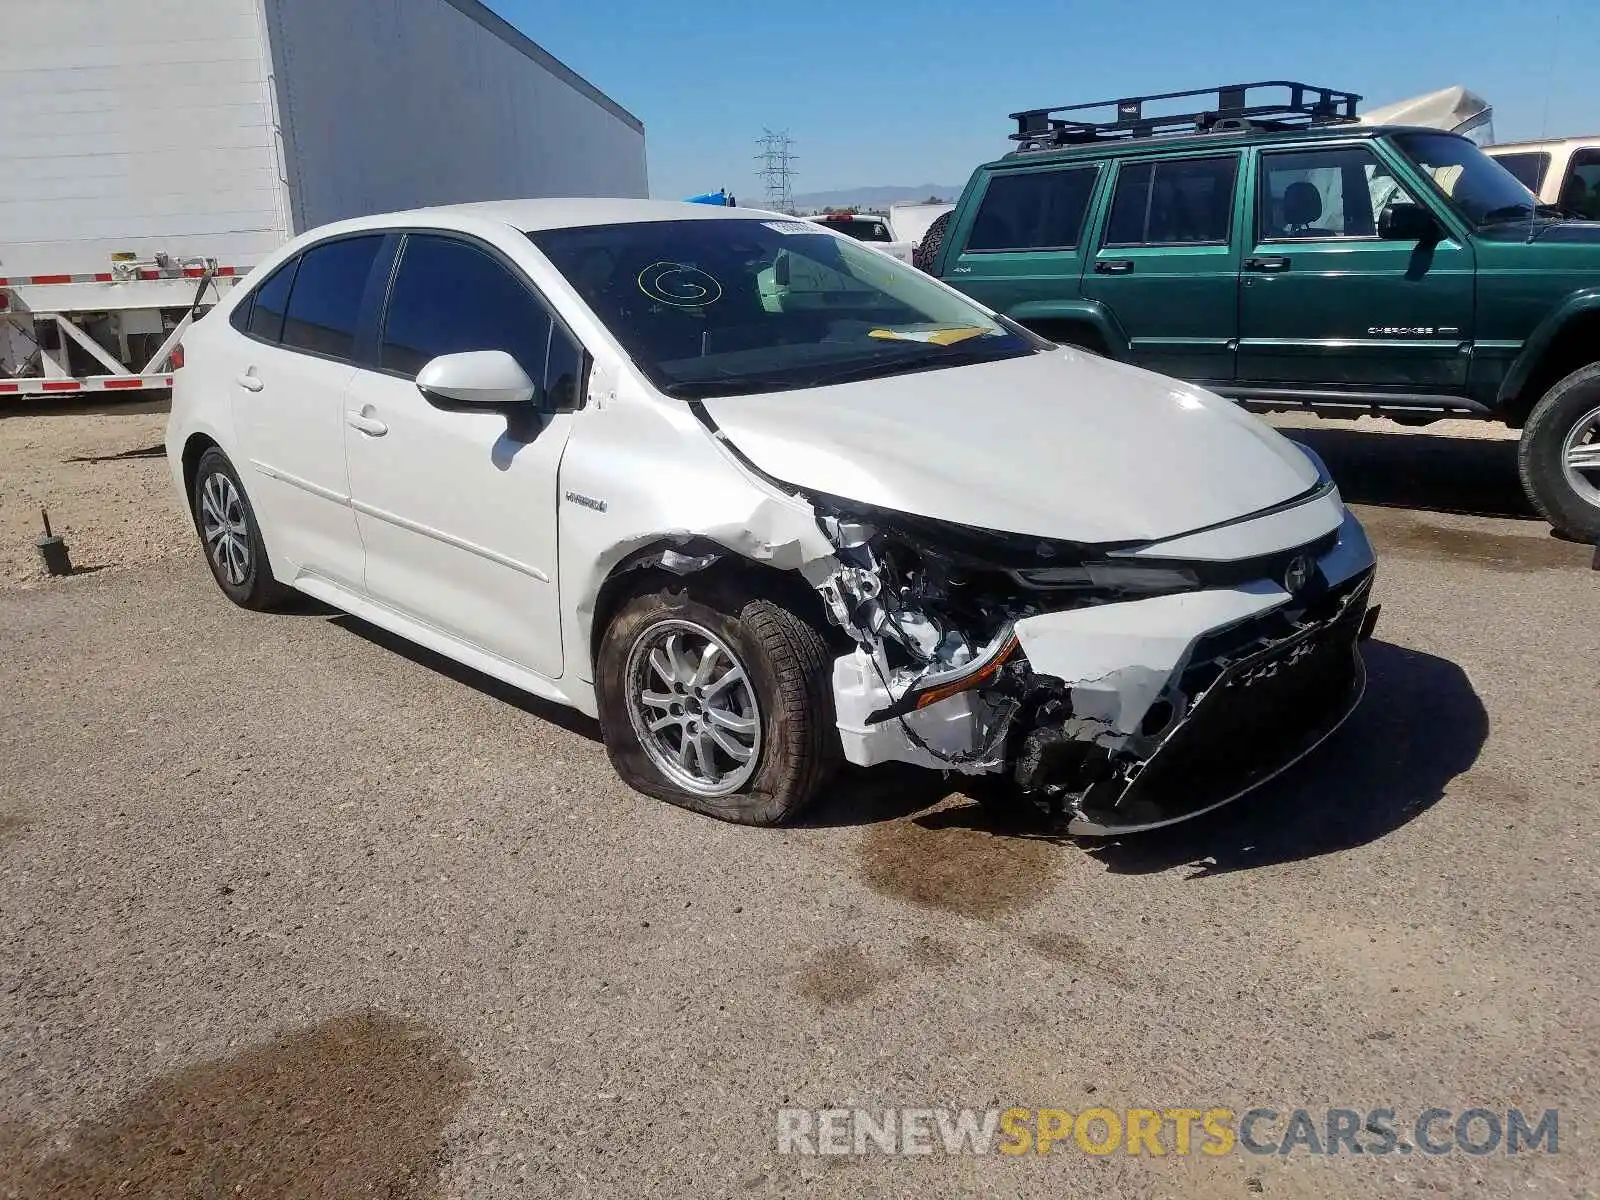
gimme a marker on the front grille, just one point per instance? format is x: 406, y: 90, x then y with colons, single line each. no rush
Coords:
x: 1318, y: 605
x: 1261, y: 712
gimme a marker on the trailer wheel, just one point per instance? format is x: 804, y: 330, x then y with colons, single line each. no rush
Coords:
x: 231, y: 536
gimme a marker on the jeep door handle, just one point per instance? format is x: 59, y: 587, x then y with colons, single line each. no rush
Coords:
x: 370, y: 426
x: 1271, y: 262
x: 1114, y: 266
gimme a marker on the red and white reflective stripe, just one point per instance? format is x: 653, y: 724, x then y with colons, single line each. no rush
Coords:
x: 96, y: 383
x: 108, y: 277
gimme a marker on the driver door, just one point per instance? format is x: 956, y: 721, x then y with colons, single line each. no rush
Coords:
x: 457, y: 508
x: 1326, y: 303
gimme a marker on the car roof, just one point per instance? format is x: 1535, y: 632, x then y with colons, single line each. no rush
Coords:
x: 1567, y: 143
x: 1225, y: 140
x: 564, y: 212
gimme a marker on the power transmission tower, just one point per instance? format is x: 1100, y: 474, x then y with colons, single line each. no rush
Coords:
x: 776, y: 156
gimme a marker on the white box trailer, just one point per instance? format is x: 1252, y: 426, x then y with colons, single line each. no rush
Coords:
x: 152, y: 151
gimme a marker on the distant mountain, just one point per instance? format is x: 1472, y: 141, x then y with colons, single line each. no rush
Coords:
x: 876, y: 197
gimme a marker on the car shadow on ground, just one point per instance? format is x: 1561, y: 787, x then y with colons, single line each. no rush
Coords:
x: 560, y: 715
x: 1472, y: 476
x: 1420, y: 726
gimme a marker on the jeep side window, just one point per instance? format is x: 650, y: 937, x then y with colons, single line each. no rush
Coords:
x: 1581, y: 191
x: 1338, y: 192
x: 1033, y: 210
x: 1173, y: 202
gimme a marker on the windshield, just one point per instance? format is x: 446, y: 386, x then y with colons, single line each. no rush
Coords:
x: 731, y: 306
x: 1483, y: 190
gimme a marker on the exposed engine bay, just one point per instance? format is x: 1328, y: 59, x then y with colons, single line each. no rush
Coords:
x: 1113, y: 690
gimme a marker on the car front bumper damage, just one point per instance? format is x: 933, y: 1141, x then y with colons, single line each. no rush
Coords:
x: 1122, y: 717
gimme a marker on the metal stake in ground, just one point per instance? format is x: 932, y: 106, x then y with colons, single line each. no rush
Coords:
x: 53, y: 549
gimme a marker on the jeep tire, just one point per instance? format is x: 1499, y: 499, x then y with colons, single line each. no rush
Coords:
x: 1565, y: 425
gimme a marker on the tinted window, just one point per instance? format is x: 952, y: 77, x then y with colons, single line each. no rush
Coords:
x: 863, y: 229
x: 1581, y: 191
x: 262, y: 314
x: 449, y: 298
x: 1529, y: 167
x: 1334, y: 193
x: 325, y: 304
x: 1172, y: 202
x: 1033, y: 210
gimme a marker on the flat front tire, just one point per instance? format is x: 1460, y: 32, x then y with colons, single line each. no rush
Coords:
x: 718, y: 702
x: 1559, y: 456
x: 231, y: 536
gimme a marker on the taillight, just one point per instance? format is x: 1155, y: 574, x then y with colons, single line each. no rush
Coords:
x: 177, y: 356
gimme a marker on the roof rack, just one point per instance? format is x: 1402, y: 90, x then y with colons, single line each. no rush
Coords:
x: 1238, y: 106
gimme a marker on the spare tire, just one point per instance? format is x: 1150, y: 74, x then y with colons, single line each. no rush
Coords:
x: 927, y: 251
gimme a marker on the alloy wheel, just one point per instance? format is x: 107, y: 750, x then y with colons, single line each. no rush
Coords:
x: 693, y: 708
x: 224, y: 528
x: 1580, y: 457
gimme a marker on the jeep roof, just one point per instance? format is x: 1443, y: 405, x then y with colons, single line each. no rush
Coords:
x: 1242, y: 113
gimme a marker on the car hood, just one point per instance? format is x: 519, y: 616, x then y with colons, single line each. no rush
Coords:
x: 1059, y: 444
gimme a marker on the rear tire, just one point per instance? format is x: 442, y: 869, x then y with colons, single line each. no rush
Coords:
x: 1563, y: 427
x: 230, y: 535
x: 659, y: 720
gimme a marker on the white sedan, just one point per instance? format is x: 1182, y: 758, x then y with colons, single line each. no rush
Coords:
x: 760, y: 498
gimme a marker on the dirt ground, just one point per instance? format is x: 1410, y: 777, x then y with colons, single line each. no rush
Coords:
x: 101, y: 473
x: 291, y: 909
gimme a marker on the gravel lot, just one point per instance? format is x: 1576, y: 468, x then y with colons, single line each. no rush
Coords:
x: 287, y: 909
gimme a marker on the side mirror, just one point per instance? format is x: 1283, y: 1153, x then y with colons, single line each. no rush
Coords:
x: 780, y: 269
x: 478, y: 378
x: 1403, y: 222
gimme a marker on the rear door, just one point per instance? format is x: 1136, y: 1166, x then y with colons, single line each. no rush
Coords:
x: 1021, y: 245
x: 1325, y: 303
x: 1166, y: 263
x: 457, y: 508
x: 289, y: 377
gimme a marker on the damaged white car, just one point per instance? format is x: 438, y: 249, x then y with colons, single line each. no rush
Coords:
x: 762, y: 499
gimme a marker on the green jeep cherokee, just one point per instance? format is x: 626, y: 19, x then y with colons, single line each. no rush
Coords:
x: 1279, y: 253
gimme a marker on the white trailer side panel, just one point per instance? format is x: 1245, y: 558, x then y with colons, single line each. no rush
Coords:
x: 134, y: 125
x: 388, y: 104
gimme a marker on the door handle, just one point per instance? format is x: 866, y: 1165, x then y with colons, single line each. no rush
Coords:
x: 1271, y: 262
x: 1114, y: 266
x: 370, y: 426
x: 249, y: 381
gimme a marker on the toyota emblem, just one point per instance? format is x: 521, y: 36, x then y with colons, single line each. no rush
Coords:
x: 1297, y: 575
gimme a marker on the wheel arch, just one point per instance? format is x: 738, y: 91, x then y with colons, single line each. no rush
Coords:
x: 1566, y: 340
x: 1085, y: 323
x: 644, y: 569
x: 194, y: 448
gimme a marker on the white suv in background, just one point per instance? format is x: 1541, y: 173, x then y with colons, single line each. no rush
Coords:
x: 1564, y: 173
x: 760, y: 498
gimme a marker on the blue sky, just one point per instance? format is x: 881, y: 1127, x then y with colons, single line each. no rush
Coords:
x: 918, y: 93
